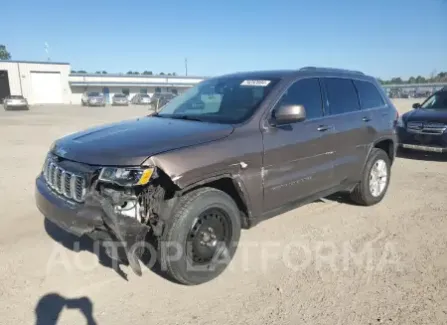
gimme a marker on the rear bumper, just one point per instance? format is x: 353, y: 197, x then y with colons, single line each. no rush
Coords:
x: 17, y: 107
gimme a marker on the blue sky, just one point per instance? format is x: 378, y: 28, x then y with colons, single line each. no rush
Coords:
x: 384, y: 38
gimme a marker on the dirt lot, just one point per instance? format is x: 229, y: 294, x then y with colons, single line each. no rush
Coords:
x: 304, y: 267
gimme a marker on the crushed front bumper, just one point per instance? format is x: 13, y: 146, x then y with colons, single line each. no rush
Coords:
x: 96, y: 214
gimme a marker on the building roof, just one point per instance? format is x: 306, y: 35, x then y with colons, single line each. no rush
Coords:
x: 34, y: 62
x: 128, y: 84
x: 134, y: 76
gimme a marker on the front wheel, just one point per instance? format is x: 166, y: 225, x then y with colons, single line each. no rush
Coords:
x: 201, y: 238
x: 375, y: 179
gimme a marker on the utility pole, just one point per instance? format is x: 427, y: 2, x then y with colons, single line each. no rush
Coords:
x: 47, y: 50
x: 186, y: 66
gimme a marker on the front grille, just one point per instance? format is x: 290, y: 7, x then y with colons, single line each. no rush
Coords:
x: 68, y: 184
x: 426, y: 127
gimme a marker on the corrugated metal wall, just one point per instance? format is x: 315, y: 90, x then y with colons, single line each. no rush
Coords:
x: 20, y: 78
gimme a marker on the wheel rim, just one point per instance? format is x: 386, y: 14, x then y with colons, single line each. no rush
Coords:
x: 210, y: 230
x: 378, y: 178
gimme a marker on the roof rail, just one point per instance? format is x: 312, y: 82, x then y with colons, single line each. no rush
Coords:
x: 322, y: 69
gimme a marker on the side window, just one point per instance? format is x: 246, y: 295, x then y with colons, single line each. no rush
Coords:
x: 305, y: 92
x: 368, y: 94
x: 341, y: 96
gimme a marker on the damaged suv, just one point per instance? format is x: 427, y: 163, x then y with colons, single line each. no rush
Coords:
x: 225, y: 155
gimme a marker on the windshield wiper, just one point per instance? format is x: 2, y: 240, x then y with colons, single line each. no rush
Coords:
x: 177, y: 117
x: 185, y: 117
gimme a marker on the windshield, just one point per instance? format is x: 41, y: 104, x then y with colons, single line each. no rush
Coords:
x: 15, y: 97
x: 120, y: 95
x: 436, y: 101
x: 94, y: 94
x: 144, y: 96
x: 220, y: 100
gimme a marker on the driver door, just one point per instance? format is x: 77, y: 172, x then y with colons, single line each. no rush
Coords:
x: 298, y: 157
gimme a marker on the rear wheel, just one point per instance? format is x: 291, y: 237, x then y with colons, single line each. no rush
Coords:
x: 375, y: 179
x: 201, y: 238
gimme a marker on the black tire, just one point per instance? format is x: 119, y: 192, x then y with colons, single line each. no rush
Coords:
x: 362, y: 194
x: 178, y: 233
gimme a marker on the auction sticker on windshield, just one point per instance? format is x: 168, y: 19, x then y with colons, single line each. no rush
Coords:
x: 259, y: 83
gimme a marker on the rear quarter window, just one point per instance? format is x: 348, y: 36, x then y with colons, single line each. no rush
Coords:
x: 369, y: 95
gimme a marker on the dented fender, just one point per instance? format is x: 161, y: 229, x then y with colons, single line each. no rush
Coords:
x: 185, y: 182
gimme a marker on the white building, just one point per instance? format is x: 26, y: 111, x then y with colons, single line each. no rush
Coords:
x: 52, y: 83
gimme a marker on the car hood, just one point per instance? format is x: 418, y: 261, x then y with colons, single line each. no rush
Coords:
x: 427, y: 115
x: 131, y: 142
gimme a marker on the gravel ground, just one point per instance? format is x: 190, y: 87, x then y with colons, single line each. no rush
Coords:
x: 325, y: 263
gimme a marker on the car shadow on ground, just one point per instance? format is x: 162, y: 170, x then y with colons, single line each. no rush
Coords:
x: 340, y: 197
x: 85, y: 243
x: 419, y: 155
x: 51, y: 305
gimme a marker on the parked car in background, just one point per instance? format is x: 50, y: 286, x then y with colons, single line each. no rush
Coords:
x: 189, y: 177
x: 422, y: 93
x: 141, y: 99
x: 425, y: 127
x: 405, y: 94
x: 93, y: 99
x: 160, y: 99
x: 394, y: 93
x: 15, y: 102
x: 120, y: 99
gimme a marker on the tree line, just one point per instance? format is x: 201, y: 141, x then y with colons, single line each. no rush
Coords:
x: 434, y: 77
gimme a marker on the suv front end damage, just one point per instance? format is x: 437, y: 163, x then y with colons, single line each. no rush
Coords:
x: 117, y: 205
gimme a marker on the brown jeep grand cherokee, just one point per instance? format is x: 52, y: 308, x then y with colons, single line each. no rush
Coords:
x: 227, y: 154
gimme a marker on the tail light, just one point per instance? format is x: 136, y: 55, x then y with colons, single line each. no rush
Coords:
x: 396, y: 118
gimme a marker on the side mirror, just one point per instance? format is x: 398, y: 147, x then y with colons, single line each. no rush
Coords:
x: 286, y: 114
x: 416, y: 105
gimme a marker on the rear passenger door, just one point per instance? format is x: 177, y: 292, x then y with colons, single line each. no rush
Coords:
x: 374, y: 105
x: 351, y: 124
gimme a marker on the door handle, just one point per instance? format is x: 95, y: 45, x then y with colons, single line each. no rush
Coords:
x: 366, y: 119
x: 323, y: 128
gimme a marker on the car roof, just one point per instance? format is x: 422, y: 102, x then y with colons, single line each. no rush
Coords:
x: 262, y: 74
x: 283, y: 74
